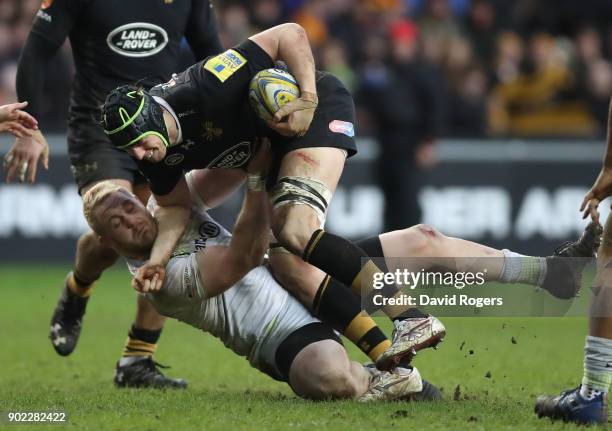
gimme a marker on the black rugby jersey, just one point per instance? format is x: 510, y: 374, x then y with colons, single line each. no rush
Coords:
x: 115, y: 42
x: 218, y: 126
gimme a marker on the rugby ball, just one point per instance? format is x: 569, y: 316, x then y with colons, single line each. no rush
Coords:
x: 269, y: 90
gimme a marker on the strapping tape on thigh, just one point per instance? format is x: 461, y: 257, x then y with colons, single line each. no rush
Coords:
x: 302, y: 191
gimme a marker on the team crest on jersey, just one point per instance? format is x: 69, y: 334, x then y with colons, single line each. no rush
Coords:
x: 234, y: 157
x: 210, y: 131
x: 137, y: 39
x: 174, y: 159
x: 225, y: 64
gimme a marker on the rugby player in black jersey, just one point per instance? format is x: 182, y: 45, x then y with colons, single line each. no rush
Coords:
x: 113, y: 42
x: 201, y: 119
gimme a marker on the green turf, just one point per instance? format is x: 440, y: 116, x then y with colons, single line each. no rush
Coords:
x: 226, y: 394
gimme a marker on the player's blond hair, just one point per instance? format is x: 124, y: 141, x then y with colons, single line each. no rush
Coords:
x: 94, y: 196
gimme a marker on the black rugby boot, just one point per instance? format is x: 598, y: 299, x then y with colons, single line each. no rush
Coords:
x: 145, y: 373
x: 564, y: 268
x: 67, y: 321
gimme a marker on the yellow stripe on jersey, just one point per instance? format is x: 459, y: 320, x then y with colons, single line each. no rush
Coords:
x: 225, y: 64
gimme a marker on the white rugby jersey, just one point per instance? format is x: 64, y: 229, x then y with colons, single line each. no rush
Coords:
x: 244, y: 317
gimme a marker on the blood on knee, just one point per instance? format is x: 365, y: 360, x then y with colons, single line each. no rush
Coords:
x: 427, y: 231
x: 422, y: 239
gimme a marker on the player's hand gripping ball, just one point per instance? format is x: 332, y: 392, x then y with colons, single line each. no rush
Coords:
x: 269, y: 90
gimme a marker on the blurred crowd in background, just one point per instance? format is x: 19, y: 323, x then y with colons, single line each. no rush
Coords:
x: 472, y: 67
x: 420, y: 70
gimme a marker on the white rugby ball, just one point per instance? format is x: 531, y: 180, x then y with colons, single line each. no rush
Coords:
x: 269, y: 90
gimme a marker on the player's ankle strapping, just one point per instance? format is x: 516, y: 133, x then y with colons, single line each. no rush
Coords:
x: 336, y: 305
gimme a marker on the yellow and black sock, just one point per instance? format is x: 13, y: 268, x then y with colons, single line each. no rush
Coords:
x: 339, y: 258
x: 342, y: 260
x: 78, y: 285
x: 373, y: 247
x: 141, y: 342
x: 337, y: 306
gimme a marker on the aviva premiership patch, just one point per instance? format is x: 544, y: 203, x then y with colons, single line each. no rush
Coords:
x: 224, y: 65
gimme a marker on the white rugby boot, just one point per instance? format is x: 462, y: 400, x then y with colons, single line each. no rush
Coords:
x: 409, y: 336
x: 392, y: 385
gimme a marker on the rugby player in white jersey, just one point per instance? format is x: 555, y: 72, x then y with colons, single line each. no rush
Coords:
x: 217, y: 282
x: 222, y: 301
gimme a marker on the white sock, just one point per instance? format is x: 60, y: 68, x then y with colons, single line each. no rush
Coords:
x: 519, y: 268
x: 597, y: 367
x: 129, y: 360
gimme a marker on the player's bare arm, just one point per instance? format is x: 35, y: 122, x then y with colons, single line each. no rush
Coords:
x: 172, y: 215
x: 602, y: 188
x: 289, y: 43
x: 215, y: 186
x: 250, y: 239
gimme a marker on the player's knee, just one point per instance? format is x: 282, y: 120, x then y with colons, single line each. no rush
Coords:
x: 323, y: 371
x: 330, y: 378
x: 423, y: 239
x: 293, y: 232
x: 335, y: 382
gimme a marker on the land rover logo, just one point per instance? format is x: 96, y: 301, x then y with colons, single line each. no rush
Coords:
x: 235, y: 157
x: 137, y: 39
